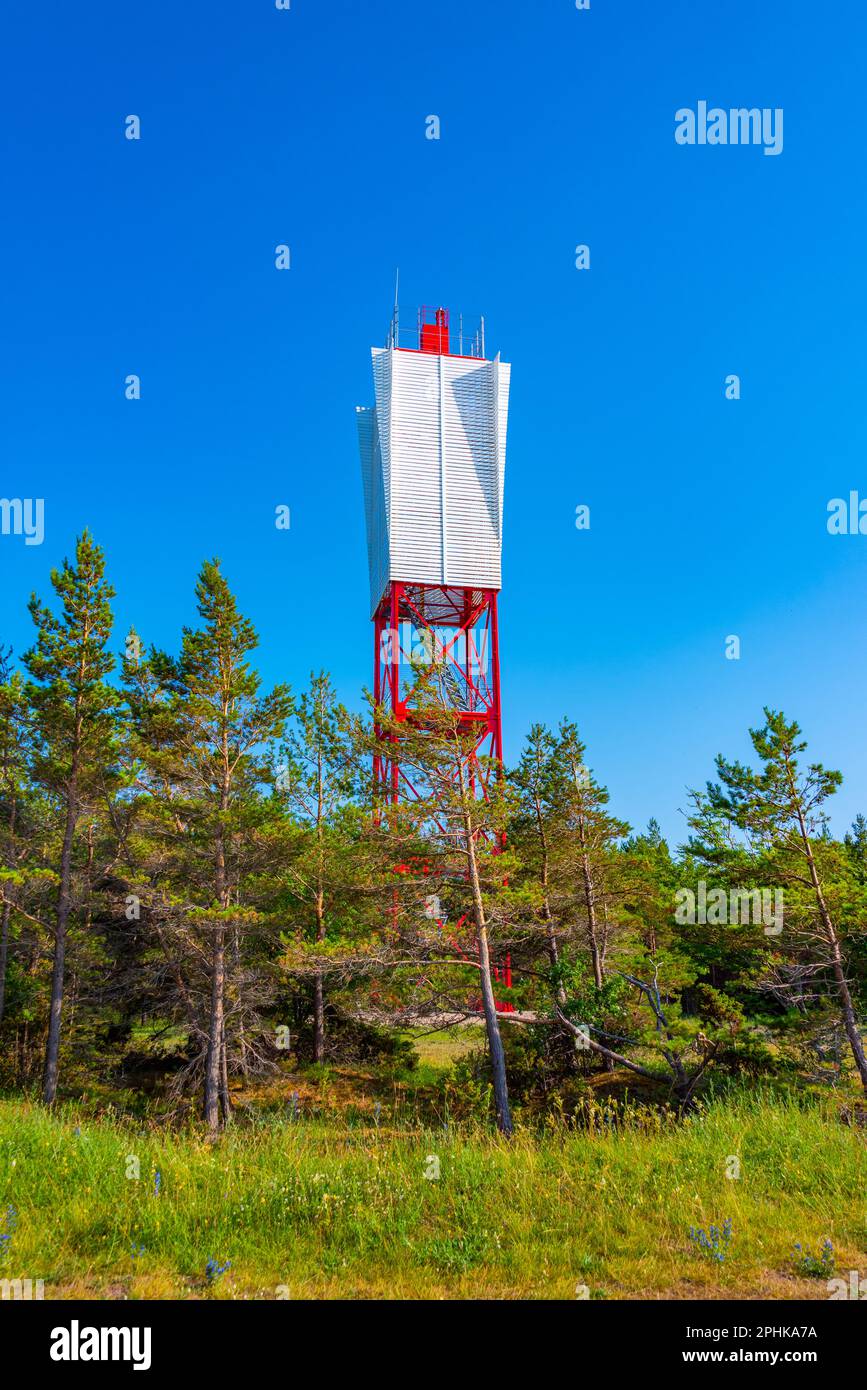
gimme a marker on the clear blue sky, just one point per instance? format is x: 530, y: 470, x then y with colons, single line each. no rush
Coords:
x: 708, y: 517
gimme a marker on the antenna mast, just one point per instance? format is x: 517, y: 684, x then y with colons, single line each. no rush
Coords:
x: 395, y: 317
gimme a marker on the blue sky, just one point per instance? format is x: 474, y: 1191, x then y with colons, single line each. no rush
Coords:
x: 259, y: 127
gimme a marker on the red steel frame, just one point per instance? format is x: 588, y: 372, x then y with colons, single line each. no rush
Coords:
x: 471, y: 654
x: 472, y: 648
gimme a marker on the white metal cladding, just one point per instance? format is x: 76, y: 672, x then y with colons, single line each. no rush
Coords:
x: 374, y: 499
x: 433, y: 457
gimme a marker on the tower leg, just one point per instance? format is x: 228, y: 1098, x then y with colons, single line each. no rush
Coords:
x: 464, y: 629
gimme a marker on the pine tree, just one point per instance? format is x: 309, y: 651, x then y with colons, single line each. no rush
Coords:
x: 585, y: 840
x: 202, y: 731
x: 779, y: 809
x: 538, y: 783
x: 318, y: 783
x: 72, y: 711
x: 13, y: 798
x: 650, y: 882
x: 855, y: 841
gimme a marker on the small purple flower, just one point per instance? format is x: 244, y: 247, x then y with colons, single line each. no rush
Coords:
x: 10, y: 1224
x: 816, y: 1267
x: 715, y: 1241
x: 214, y: 1270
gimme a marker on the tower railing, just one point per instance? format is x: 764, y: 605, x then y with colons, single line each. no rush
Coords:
x: 458, y: 335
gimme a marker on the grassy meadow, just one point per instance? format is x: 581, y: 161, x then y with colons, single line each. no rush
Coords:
x: 370, y: 1201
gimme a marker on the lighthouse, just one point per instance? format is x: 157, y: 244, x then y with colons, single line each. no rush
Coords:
x: 433, y: 466
x: 433, y: 462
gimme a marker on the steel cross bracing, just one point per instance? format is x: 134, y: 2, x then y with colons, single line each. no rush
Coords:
x: 459, y: 626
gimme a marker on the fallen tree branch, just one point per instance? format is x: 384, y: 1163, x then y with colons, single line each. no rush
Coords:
x: 605, y: 1051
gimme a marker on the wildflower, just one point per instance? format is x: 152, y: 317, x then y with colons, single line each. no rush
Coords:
x: 715, y: 1241
x: 10, y: 1224
x: 214, y: 1270
x: 821, y: 1267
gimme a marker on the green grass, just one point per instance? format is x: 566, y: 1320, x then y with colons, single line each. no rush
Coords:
x: 325, y: 1208
x: 437, y: 1051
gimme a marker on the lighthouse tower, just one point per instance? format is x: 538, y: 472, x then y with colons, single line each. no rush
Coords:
x: 433, y: 458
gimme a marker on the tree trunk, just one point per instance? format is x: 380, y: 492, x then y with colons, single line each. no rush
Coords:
x: 225, y: 1102
x: 64, y: 906
x: 7, y: 914
x: 319, y: 991
x: 850, y: 1021
x: 318, y: 1020
x: 592, y: 928
x: 4, y: 952
x: 554, y: 958
x: 495, y: 1041
x: 553, y: 949
x: 216, y: 1023
x: 492, y: 1022
x: 213, y: 1069
x: 593, y: 934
